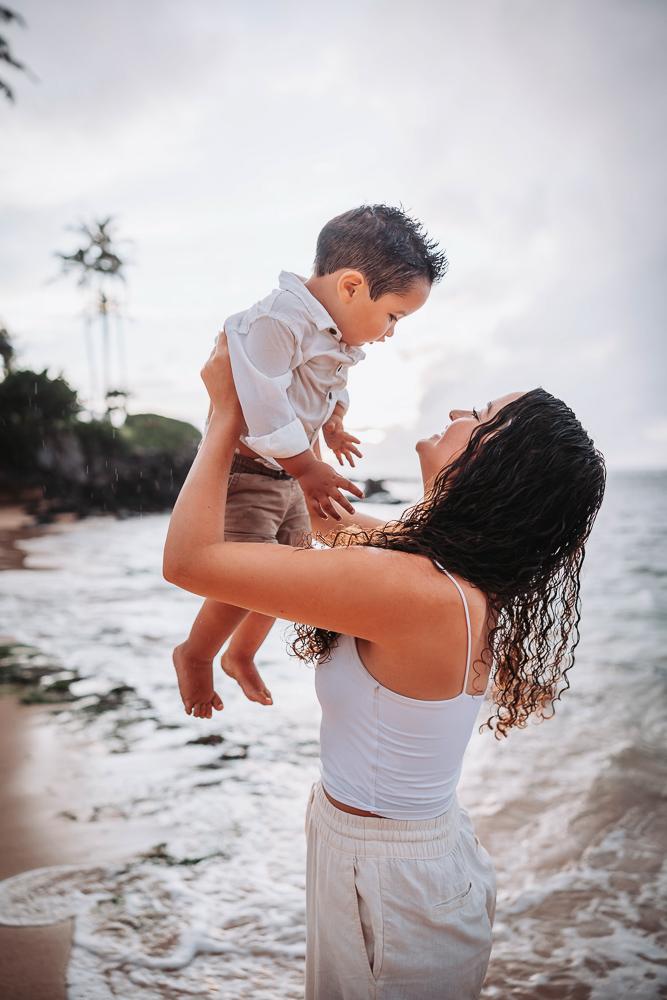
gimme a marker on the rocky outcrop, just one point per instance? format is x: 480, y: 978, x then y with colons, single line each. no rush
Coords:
x: 55, y: 461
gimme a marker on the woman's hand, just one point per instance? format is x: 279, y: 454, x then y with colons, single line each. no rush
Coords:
x: 219, y: 381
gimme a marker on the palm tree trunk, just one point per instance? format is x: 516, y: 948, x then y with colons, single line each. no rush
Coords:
x: 106, y: 347
x: 90, y: 355
x: 122, y: 352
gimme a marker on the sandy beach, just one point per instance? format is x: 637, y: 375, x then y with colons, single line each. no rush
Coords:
x: 43, y: 777
x: 33, y: 960
x: 14, y: 525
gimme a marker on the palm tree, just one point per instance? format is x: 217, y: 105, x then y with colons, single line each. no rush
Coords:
x: 8, y: 16
x: 98, y: 262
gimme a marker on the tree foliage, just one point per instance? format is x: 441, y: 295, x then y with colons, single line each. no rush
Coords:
x: 8, y: 16
x: 7, y: 352
x: 97, y: 256
x: 33, y: 408
x: 84, y: 465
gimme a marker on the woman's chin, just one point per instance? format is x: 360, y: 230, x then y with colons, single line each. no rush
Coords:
x: 425, y: 443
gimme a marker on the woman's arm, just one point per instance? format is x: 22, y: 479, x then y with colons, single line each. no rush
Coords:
x: 355, y: 590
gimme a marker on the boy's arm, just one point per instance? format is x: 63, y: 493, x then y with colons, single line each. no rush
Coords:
x: 321, y: 484
x: 341, y: 443
x: 262, y: 361
x: 325, y: 531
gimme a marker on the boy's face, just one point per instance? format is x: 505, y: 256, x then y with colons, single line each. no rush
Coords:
x: 363, y: 320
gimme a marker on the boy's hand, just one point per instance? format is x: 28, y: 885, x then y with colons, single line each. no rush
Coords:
x: 321, y: 484
x: 341, y: 443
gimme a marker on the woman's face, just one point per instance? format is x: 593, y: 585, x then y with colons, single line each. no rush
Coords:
x: 442, y: 449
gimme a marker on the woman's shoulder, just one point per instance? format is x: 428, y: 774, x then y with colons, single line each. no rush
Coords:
x: 443, y: 619
x: 453, y: 602
x: 424, y: 593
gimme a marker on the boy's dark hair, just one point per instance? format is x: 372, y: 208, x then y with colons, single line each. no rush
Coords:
x: 390, y: 249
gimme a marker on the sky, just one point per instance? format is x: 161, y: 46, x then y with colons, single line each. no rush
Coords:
x: 527, y: 135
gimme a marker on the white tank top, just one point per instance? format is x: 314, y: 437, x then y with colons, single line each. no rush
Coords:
x: 384, y: 752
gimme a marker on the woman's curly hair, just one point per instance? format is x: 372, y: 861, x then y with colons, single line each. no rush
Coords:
x: 510, y: 515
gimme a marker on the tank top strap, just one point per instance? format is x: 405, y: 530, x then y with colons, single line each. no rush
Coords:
x: 468, y: 628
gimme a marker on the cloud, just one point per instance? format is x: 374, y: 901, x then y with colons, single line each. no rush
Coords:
x: 524, y: 133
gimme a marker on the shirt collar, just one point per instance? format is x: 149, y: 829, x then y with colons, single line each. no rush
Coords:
x: 294, y: 283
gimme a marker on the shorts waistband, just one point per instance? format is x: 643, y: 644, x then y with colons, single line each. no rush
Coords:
x: 243, y: 463
x: 373, y: 837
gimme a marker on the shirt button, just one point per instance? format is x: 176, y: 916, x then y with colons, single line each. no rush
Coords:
x: 330, y: 395
x: 339, y: 369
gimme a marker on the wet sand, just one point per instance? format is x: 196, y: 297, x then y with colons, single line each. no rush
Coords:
x: 43, y: 775
x: 15, y: 525
x: 33, y: 960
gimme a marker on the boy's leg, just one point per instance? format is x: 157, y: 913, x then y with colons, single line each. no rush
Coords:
x: 238, y: 659
x: 254, y: 512
x: 287, y: 503
x: 193, y: 659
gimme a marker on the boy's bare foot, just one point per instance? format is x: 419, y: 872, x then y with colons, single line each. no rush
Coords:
x: 195, y: 683
x: 245, y: 673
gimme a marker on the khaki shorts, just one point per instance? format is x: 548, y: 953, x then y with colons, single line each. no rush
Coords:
x: 262, y: 509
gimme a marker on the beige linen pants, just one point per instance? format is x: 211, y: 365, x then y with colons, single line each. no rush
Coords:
x: 396, y: 909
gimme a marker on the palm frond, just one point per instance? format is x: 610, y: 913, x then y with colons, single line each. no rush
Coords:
x: 7, y: 16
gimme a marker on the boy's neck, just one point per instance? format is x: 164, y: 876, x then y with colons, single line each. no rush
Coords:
x: 323, y: 288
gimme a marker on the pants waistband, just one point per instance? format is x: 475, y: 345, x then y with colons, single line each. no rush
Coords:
x: 372, y: 837
x: 243, y: 463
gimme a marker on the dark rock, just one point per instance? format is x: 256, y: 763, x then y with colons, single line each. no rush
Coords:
x: 235, y: 753
x: 114, y: 698
x: 206, y: 741
x: 46, y: 696
x: 26, y: 666
x: 73, y: 465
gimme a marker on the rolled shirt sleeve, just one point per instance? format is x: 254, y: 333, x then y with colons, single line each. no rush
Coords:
x: 263, y: 357
x: 342, y: 396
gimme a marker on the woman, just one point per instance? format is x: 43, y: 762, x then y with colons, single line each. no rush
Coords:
x: 407, y: 622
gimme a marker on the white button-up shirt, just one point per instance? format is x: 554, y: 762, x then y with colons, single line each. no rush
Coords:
x: 290, y: 367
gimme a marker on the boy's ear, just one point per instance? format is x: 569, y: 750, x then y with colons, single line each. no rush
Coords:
x: 349, y: 284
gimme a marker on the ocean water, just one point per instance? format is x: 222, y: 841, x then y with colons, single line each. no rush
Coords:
x: 572, y: 810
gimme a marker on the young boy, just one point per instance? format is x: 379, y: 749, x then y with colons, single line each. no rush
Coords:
x: 291, y: 354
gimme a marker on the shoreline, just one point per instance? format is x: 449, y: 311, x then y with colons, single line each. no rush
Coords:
x: 33, y: 960
x: 16, y: 524
x: 43, y: 775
